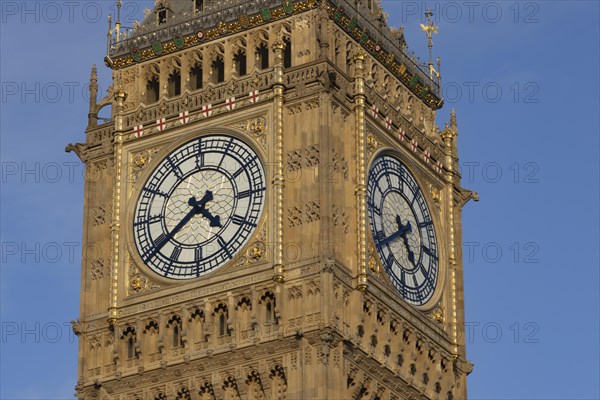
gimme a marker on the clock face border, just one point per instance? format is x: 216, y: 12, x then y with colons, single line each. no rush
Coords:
x: 135, y: 191
x: 423, y: 178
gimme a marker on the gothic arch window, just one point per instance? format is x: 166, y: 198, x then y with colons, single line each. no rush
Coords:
x: 151, y: 337
x: 206, y: 391
x: 152, y: 89
x: 348, y: 56
x: 243, y: 315
x: 174, y: 83
x: 279, y: 385
x: 262, y: 56
x: 175, y: 325
x: 183, y: 394
x: 267, y: 300
x: 287, y: 52
x: 196, y: 76
x: 260, y: 41
x: 221, y: 316
x: 254, y: 384
x: 230, y: 388
x: 218, y: 69
x: 130, y: 339
x: 198, y: 6
x: 239, y: 61
x: 161, y: 14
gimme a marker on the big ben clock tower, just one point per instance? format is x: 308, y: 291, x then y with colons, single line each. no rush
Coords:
x: 270, y: 210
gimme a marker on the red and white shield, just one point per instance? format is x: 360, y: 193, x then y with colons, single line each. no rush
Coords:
x: 138, y: 130
x: 401, y: 134
x: 184, y: 117
x: 253, y: 96
x: 374, y: 111
x: 388, y: 123
x: 207, y: 110
x: 413, y: 145
x: 161, y: 124
x: 230, y: 103
x: 426, y: 156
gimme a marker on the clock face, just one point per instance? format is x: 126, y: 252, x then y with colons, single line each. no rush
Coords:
x: 402, y: 229
x: 199, y: 207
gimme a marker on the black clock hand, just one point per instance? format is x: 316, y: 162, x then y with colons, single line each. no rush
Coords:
x: 170, y: 235
x: 200, y: 207
x: 215, y: 221
x: 394, y: 235
x: 208, y: 196
x: 411, y: 254
x: 401, y: 230
x: 197, y: 207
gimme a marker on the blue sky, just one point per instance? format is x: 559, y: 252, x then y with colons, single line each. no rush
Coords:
x: 524, y: 80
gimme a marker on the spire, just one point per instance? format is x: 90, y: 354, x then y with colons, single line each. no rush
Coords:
x: 453, y: 125
x: 93, y: 113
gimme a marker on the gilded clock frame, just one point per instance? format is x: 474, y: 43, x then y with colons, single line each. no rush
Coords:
x: 424, y: 179
x: 134, y: 191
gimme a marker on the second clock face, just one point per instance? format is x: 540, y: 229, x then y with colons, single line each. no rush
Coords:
x: 402, y: 229
x: 199, y: 207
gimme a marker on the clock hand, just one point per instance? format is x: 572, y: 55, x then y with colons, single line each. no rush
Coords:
x: 401, y: 231
x: 215, y: 221
x: 200, y: 207
x: 174, y: 231
x: 208, y: 196
x: 197, y: 207
x: 394, y: 235
x: 411, y: 254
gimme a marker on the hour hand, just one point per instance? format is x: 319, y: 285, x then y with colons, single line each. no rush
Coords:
x: 215, y: 221
x: 401, y: 232
x: 208, y: 196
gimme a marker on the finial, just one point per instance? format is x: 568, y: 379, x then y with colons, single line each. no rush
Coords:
x: 118, y: 22
x: 429, y: 30
x: 94, y: 79
x: 453, y: 121
x: 94, y: 74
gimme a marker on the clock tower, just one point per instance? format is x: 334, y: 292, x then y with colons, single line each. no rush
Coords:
x: 270, y: 210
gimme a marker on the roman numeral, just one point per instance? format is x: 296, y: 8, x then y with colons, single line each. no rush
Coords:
x: 150, y: 220
x: 175, y: 254
x: 175, y: 168
x: 429, y: 252
x: 155, y: 191
x: 200, y: 160
x: 425, y: 224
x: 160, y: 240
x: 224, y: 246
x: 237, y: 173
x: 238, y: 220
x: 379, y: 236
x: 427, y: 277
x: 247, y: 193
x: 389, y: 260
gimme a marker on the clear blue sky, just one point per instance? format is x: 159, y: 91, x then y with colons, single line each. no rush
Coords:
x: 523, y: 78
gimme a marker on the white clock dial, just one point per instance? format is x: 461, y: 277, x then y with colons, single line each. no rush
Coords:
x: 402, y: 229
x: 199, y: 207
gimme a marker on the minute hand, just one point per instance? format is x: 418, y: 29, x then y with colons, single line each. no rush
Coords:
x: 411, y: 254
x: 197, y: 206
x: 174, y: 231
